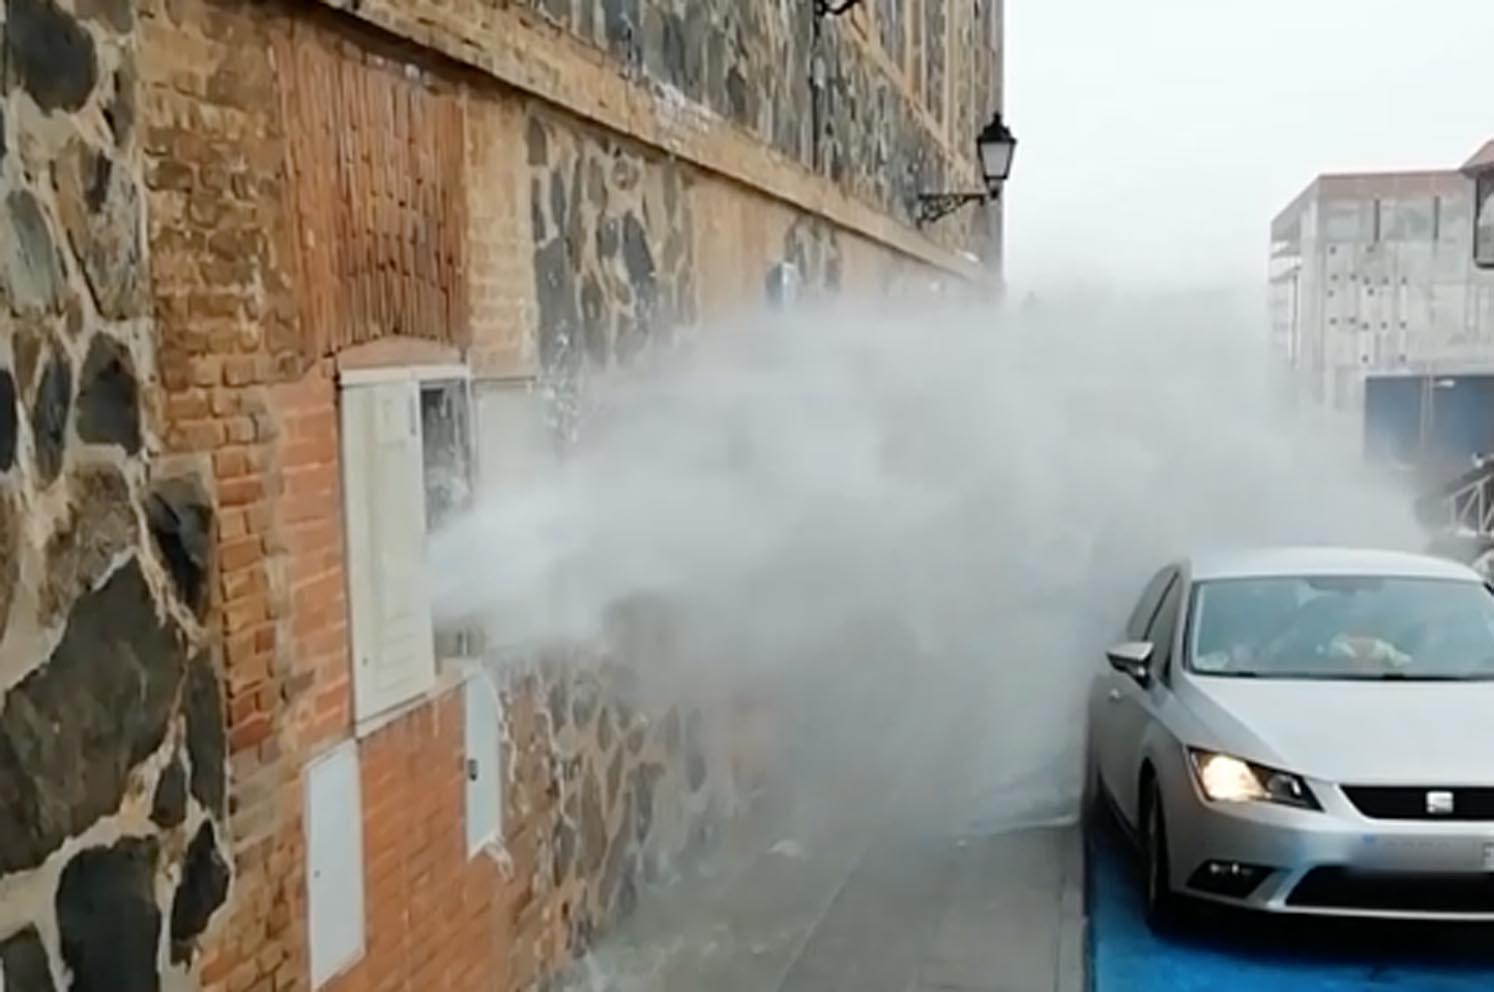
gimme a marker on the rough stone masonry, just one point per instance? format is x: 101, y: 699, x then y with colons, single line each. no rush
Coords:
x: 112, y: 753
x: 568, y: 180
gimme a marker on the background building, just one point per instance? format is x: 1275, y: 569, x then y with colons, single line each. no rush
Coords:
x: 275, y: 280
x: 1380, y: 307
x: 1374, y: 274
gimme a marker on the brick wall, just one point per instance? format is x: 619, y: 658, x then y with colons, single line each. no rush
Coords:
x: 601, y: 791
x: 433, y: 918
x: 227, y: 337
x: 879, y: 128
x: 376, y: 156
x: 499, y: 239
x: 574, y: 75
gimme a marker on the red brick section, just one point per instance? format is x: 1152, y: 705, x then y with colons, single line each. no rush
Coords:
x: 223, y: 310
x: 240, y: 401
x: 241, y: 398
x: 433, y: 918
x: 376, y: 159
x: 309, y: 517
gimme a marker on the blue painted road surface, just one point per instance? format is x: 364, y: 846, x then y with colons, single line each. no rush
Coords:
x: 1223, y: 952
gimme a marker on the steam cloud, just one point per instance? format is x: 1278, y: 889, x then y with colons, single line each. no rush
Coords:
x: 940, y: 512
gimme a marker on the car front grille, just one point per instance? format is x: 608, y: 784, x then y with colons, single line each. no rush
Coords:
x: 1402, y: 892
x: 1411, y: 803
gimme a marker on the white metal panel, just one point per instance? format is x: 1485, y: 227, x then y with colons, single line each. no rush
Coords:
x: 484, y: 763
x: 511, y: 431
x: 389, y: 592
x: 334, y: 863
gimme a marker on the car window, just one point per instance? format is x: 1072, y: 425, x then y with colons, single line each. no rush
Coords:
x: 1146, y: 608
x: 1164, y: 625
x: 1343, y: 627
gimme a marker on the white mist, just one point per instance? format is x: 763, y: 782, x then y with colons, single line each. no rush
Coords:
x: 871, y: 514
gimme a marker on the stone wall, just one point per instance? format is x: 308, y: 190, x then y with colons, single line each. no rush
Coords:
x: 613, y: 258
x: 883, y: 125
x: 631, y: 245
x: 245, y: 397
x: 112, y: 750
x: 609, y: 792
x: 550, y: 50
x: 173, y: 606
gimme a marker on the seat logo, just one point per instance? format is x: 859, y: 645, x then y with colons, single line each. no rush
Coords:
x: 1439, y: 803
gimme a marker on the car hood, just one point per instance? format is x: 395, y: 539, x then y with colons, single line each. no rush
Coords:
x: 1362, y: 733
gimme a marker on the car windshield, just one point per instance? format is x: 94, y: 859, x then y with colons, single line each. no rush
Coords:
x: 1360, y: 627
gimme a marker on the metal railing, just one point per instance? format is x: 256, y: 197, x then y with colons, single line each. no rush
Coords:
x: 1467, y: 502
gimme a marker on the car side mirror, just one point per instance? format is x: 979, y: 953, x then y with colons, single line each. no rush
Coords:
x: 1134, y: 658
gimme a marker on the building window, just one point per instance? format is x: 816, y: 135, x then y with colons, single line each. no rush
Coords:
x: 1343, y: 221
x: 406, y: 446
x: 1410, y: 220
x: 446, y: 445
x: 1483, y: 228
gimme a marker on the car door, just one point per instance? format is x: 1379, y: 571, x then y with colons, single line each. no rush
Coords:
x: 1133, y: 705
x: 1113, y: 688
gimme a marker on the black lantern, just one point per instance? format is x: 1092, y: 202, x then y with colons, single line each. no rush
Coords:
x: 995, y: 146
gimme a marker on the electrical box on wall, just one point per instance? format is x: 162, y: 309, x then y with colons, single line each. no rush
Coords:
x: 334, y: 863
x: 484, y: 753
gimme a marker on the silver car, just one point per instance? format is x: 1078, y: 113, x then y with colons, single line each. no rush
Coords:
x: 1305, y: 730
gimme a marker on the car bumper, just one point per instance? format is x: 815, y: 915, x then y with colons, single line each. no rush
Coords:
x: 1336, y: 862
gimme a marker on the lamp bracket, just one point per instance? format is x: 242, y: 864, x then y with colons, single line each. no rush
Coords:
x: 828, y: 8
x: 935, y: 206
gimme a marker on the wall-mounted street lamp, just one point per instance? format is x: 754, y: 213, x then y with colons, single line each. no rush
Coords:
x: 996, y: 146
x: 828, y: 8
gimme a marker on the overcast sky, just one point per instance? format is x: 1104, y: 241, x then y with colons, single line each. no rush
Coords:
x: 1159, y: 137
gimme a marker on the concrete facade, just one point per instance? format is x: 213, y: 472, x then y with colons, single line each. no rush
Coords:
x: 216, y: 218
x: 1375, y: 275
x: 1480, y: 169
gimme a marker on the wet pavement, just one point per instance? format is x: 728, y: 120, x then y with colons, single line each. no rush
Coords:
x: 998, y: 913
x: 896, y: 861
x: 910, y: 913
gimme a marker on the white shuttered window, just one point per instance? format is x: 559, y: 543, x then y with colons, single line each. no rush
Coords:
x: 389, y: 595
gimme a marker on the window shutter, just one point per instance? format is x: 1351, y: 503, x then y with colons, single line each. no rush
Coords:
x: 384, y: 490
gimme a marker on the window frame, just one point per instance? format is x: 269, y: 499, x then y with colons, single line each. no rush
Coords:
x: 1483, y: 198
x: 1163, y: 650
x: 1152, y: 593
x: 368, y: 716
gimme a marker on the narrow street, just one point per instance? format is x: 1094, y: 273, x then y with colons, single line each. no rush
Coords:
x: 961, y: 903
x: 891, y: 864
x: 940, y: 914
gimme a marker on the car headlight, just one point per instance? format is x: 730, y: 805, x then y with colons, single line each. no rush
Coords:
x: 1226, y: 779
